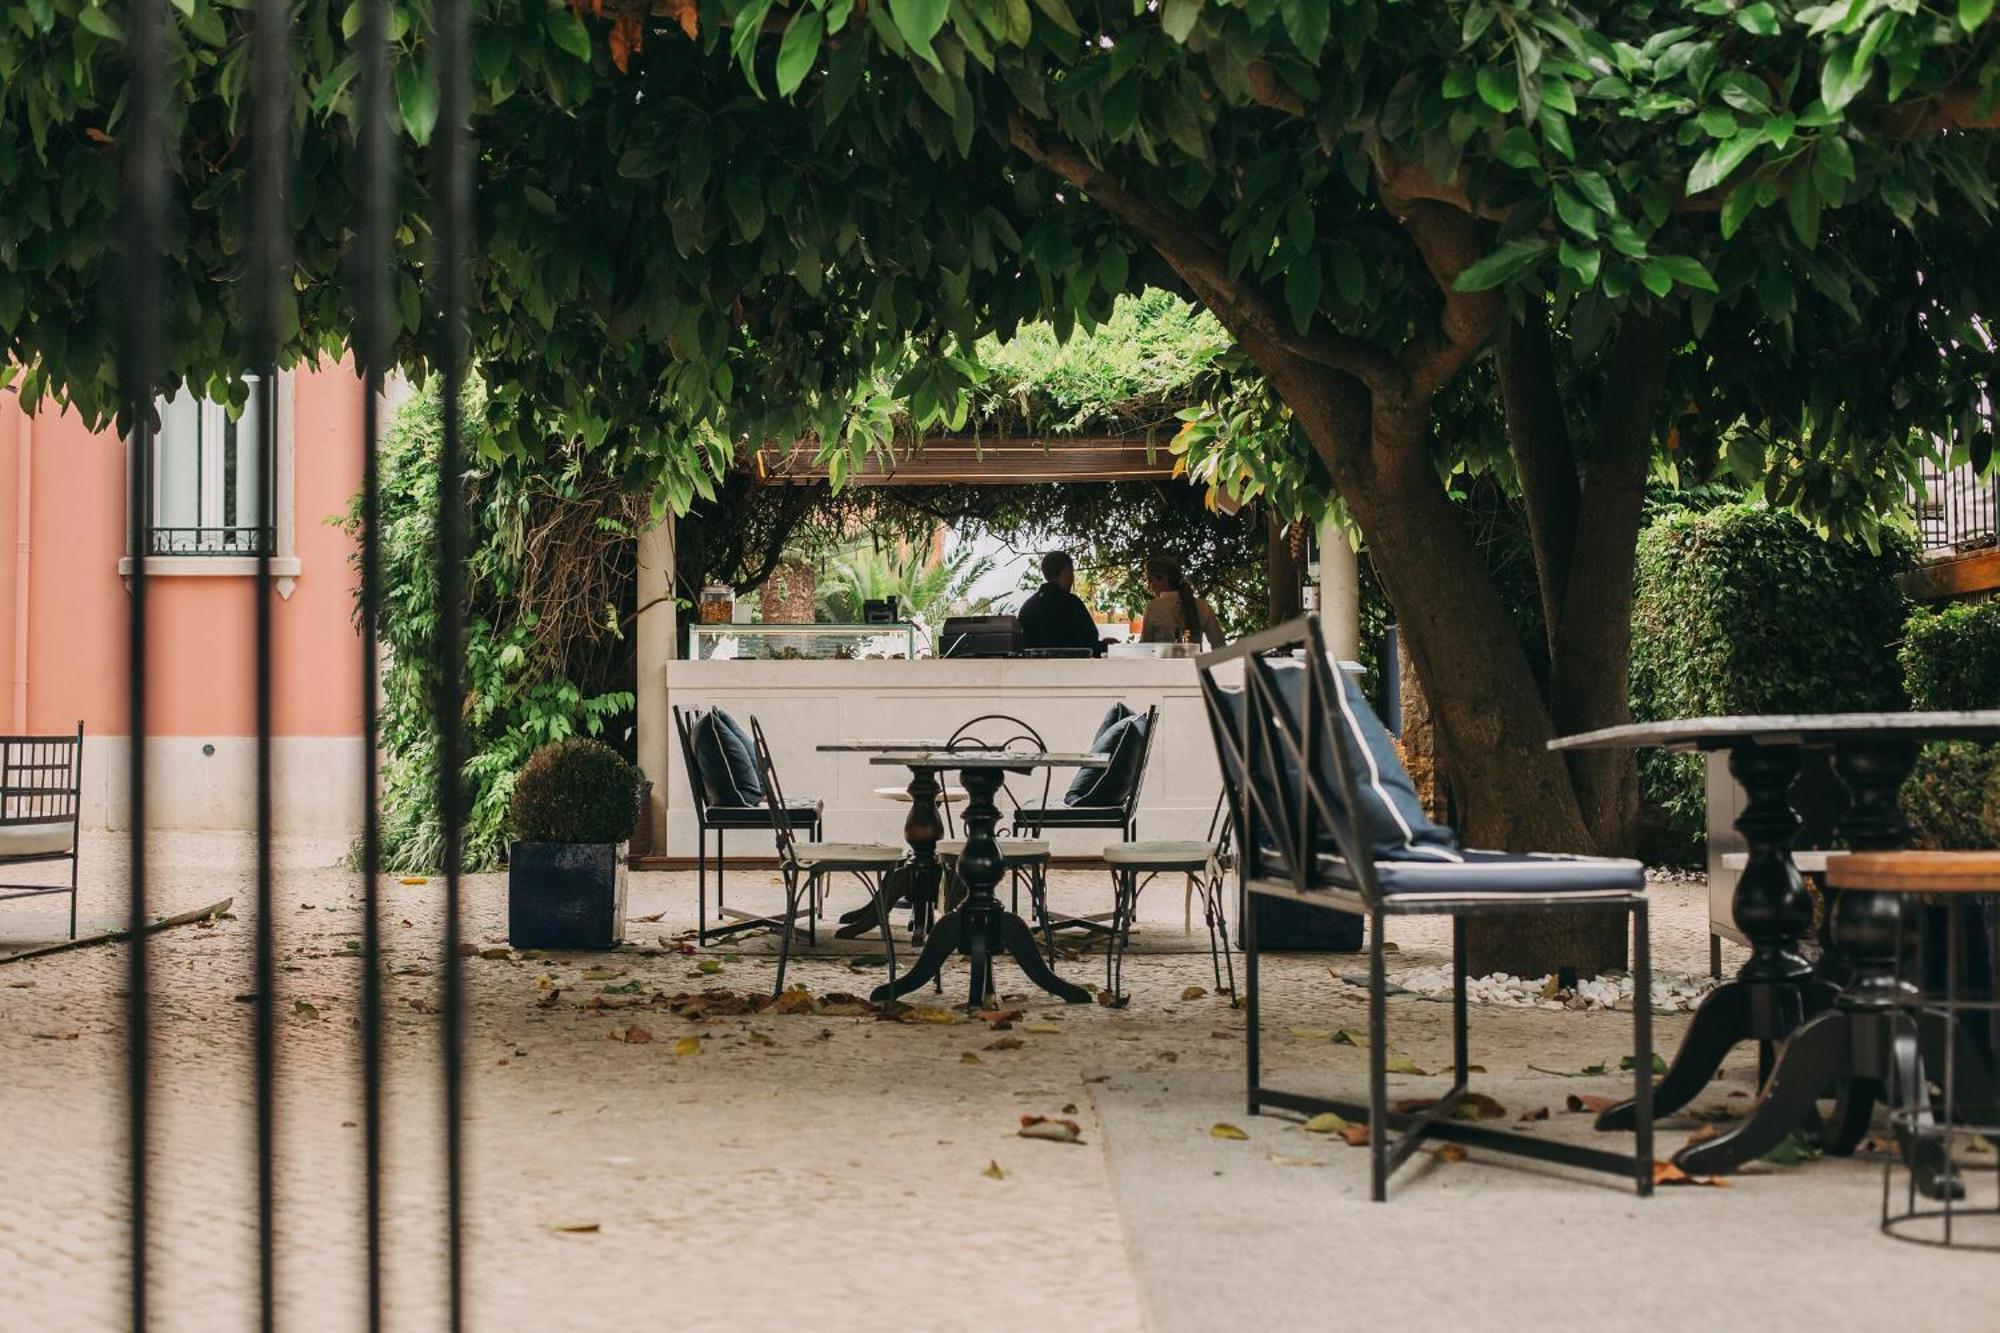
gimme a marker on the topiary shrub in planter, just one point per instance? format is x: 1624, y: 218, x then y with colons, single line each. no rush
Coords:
x: 574, y: 805
x: 1744, y: 609
x: 1951, y: 659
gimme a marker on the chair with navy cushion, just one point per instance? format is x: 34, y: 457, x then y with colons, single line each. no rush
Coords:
x: 728, y: 789
x: 1327, y: 816
x: 41, y: 801
x: 1103, y: 798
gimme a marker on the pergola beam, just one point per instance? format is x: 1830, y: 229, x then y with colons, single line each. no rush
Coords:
x: 1001, y: 461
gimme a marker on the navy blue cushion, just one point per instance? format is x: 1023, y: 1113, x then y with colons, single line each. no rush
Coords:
x: 1398, y: 828
x: 1110, y: 785
x: 741, y: 752
x: 1100, y: 742
x: 726, y: 760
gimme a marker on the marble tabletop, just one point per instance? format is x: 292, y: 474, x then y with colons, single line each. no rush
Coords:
x: 879, y: 746
x: 1717, y: 733
x: 990, y: 759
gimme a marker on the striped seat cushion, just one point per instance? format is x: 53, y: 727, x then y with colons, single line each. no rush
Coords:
x: 1499, y: 875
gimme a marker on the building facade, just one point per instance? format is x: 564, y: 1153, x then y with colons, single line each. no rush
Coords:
x: 65, y: 600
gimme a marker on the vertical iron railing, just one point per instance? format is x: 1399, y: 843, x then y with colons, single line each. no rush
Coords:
x: 142, y: 370
x: 1957, y: 510
x: 140, y: 362
x: 371, y: 347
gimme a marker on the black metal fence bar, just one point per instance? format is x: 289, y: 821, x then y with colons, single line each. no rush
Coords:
x: 270, y: 143
x: 140, y: 357
x: 453, y: 198
x: 372, y: 299
x: 1959, y: 510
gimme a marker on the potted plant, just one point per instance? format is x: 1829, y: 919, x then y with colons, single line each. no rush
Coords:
x: 574, y: 805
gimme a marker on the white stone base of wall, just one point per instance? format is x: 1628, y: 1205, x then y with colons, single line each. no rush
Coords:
x: 196, y: 782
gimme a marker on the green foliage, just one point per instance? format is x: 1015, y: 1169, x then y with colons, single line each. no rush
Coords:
x: 1951, y: 660
x: 926, y: 587
x: 1951, y: 656
x: 1743, y: 609
x: 542, y: 663
x: 575, y: 791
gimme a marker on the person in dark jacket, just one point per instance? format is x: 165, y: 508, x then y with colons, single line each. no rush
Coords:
x: 1055, y: 617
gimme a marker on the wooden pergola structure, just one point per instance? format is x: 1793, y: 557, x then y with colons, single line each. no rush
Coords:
x: 1008, y: 460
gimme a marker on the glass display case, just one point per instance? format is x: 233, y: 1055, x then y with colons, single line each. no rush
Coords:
x: 766, y: 643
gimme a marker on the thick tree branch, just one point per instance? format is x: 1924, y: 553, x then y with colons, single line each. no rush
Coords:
x: 1240, y: 303
x: 1538, y: 437
x: 1450, y: 241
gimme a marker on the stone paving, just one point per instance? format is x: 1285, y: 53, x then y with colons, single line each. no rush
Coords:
x: 812, y: 1170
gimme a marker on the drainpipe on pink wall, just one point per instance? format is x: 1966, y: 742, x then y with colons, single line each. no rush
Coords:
x: 23, y: 545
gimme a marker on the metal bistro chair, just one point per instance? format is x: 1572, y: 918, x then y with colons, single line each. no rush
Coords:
x: 1134, y: 865
x: 806, y: 867
x: 1122, y: 815
x: 1289, y: 766
x: 719, y: 819
x: 41, y: 798
x: 1027, y: 859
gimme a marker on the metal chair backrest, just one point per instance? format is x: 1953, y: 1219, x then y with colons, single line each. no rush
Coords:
x: 774, y: 798
x: 1130, y: 805
x: 684, y: 723
x: 41, y: 779
x: 1287, y: 808
x: 998, y: 736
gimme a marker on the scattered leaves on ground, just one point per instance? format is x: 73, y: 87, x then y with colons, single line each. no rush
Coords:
x: 708, y: 967
x: 413, y: 879
x: 1282, y: 1159
x: 1005, y: 1044
x: 993, y: 1171
x: 1326, y: 1122
x: 1539, y: 1113
x: 1791, y: 1151
x: 602, y: 973
x: 1312, y: 1034
x: 634, y: 1035
x: 1659, y: 1063
x: 1224, y: 1130
x: 1050, y: 1128
x: 969, y: 1058
x: 497, y: 954
x: 305, y: 1009
x: 1449, y: 1152
x: 1001, y: 1019
x: 574, y: 1226
x: 1194, y: 993
x: 1355, y: 1135
x: 927, y: 1013
x: 1351, y: 1037
x: 688, y: 1046
x: 1401, y: 1064
x: 1110, y: 1001
x: 1044, y: 1028
x: 1472, y: 1106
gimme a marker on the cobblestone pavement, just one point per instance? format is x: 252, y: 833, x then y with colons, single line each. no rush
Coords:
x: 805, y: 1170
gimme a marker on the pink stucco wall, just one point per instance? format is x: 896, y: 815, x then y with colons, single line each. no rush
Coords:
x: 200, y: 659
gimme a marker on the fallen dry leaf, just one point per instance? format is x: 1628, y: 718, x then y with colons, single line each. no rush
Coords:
x: 413, y: 879
x: 1041, y: 1027
x: 1314, y: 1034
x: 1401, y: 1064
x: 1282, y: 1160
x: 1539, y: 1113
x: 1666, y: 1173
x: 926, y: 1013
x: 1589, y: 1101
x: 793, y: 1002
x: 1350, y: 1037
x: 305, y: 1009
x: 688, y: 1046
x: 998, y: 1017
x: 993, y: 1171
x: 1194, y: 993
x: 1326, y: 1122
x: 635, y: 1035
x: 550, y: 1000
x: 1005, y: 1044
x: 496, y: 955
x: 573, y: 1226
x: 1110, y: 1001
x: 649, y: 919
x: 55, y: 1036
x: 1449, y: 1152
x: 1223, y: 1130
x: 1047, y: 1127
x: 602, y: 974
x: 1356, y: 1136
x: 969, y: 1058
x: 761, y: 1038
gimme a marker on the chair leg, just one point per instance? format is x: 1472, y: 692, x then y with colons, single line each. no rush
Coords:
x: 720, y: 865
x: 701, y: 883
x: 785, y: 941
x: 1378, y: 1071
x: 1459, y: 1061
x: 888, y: 932
x: 1038, y: 889
x: 1111, y: 940
x: 1250, y: 994
x: 1642, y: 1047
x: 1187, y: 906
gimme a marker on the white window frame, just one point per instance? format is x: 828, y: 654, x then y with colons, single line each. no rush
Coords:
x: 285, y: 566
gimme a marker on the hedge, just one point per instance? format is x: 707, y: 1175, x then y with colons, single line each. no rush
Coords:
x: 1951, y: 659
x: 1744, y: 609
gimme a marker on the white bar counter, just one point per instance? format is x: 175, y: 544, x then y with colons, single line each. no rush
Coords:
x: 803, y: 704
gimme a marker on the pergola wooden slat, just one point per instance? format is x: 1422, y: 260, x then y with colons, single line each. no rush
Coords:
x: 1001, y: 461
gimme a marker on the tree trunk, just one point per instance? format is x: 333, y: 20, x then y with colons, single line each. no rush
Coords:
x: 1281, y: 570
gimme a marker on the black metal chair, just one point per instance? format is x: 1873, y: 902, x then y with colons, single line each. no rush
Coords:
x: 1205, y: 863
x: 41, y: 801
x: 1303, y: 835
x: 805, y: 868
x: 1123, y: 815
x: 807, y: 815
